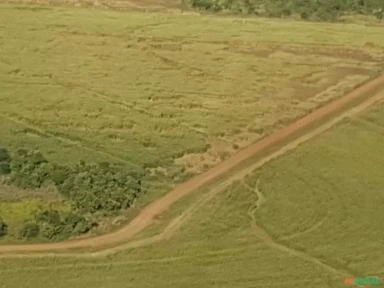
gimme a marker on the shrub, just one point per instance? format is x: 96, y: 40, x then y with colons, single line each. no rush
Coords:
x: 202, y: 4
x: 53, y: 225
x: 90, y: 188
x: 103, y: 187
x: 308, y: 9
x: 3, y: 228
x: 58, y: 174
x: 29, y: 169
x: 4, y: 155
x: 5, y: 168
x: 51, y: 217
x: 78, y: 224
x: 5, y: 160
x: 29, y: 230
x: 48, y: 231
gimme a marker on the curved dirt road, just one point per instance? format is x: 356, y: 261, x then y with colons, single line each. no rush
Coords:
x: 147, y: 215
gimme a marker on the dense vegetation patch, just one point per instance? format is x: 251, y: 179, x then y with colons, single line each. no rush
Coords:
x: 91, y: 189
x: 3, y: 228
x: 306, y: 9
x: 5, y: 161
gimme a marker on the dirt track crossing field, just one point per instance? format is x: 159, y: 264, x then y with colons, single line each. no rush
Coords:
x: 270, y: 147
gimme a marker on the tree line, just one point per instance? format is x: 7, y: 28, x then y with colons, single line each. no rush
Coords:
x: 327, y: 10
x: 91, y: 189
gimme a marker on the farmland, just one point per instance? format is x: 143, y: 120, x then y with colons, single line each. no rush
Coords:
x: 309, y: 218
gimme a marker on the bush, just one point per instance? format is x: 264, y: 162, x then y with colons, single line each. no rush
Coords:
x: 49, y: 231
x: 51, y: 217
x: 58, y: 174
x: 78, y: 224
x: 307, y: 9
x: 3, y: 228
x: 29, y: 230
x: 55, y: 226
x: 90, y: 188
x: 5, y: 160
x: 4, y: 155
x: 103, y: 187
x: 5, y: 168
x: 202, y: 4
x: 29, y: 169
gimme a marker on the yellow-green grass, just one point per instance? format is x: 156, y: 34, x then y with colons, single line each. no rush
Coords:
x: 18, y: 206
x: 320, y: 221
x: 168, y: 92
x: 150, y: 88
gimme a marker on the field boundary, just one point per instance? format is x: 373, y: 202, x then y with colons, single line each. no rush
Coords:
x: 237, y: 166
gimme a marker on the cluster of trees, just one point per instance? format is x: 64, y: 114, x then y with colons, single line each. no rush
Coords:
x: 98, y: 187
x: 29, y: 169
x: 306, y: 9
x: 90, y: 189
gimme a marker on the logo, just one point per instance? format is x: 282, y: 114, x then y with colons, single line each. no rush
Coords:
x: 363, y: 281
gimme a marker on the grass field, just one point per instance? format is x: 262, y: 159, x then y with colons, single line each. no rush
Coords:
x: 170, y: 93
x: 175, y: 94
x: 148, y: 89
x: 308, y: 219
x: 152, y: 89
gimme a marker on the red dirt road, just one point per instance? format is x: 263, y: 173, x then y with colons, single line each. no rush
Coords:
x: 147, y: 215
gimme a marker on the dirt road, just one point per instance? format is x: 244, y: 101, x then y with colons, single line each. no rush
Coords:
x: 360, y: 96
